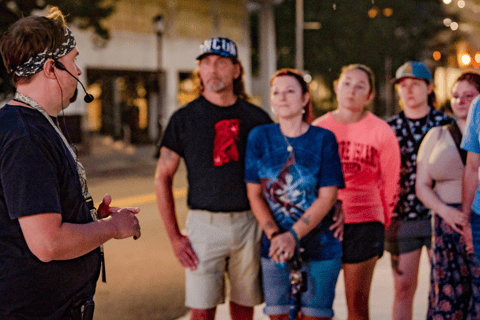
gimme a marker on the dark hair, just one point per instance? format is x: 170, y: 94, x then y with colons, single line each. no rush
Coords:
x: 364, y: 68
x: 238, y: 84
x: 307, y: 116
x: 30, y: 36
x: 471, y: 77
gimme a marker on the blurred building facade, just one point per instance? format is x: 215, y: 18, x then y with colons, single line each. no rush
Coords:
x: 464, y: 55
x: 142, y: 74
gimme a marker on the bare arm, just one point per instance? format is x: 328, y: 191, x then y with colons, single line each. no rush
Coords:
x: 470, y: 184
x: 283, y: 245
x: 424, y: 184
x: 48, y: 238
x: 316, y: 212
x: 167, y: 167
x: 261, y: 209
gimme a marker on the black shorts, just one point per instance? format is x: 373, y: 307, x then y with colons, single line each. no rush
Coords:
x: 362, y: 241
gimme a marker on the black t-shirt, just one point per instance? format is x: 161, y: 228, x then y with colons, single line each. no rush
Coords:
x: 38, y: 175
x: 212, y: 141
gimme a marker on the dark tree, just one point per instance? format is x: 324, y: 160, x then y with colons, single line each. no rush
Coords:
x: 85, y: 14
x: 382, y: 34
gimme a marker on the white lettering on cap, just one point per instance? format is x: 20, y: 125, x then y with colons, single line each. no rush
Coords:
x: 225, y: 45
x: 228, y: 46
x: 207, y: 44
x: 215, y: 44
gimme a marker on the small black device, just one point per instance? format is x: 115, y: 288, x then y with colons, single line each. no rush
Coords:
x: 88, y: 97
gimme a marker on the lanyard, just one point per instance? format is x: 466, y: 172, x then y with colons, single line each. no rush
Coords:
x: 80, y: 168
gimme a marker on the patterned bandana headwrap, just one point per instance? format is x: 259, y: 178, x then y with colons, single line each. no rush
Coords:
x: 35, y: 64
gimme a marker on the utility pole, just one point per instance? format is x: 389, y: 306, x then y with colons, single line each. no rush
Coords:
x: 299, y: 36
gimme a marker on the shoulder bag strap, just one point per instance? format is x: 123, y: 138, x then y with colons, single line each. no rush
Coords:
x: 457, y: 137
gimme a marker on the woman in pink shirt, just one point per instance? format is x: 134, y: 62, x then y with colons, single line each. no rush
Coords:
x: 370, y: 158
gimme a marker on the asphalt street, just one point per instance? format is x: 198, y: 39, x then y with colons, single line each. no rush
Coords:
x: 144, y: 279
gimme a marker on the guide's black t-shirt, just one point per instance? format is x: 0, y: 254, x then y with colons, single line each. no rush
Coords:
x: 38, y: 175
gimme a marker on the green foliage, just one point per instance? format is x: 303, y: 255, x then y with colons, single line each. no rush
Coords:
x: 395, y: 30
x: 85, y: 14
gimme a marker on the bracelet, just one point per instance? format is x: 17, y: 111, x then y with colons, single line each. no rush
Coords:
x: 274, y: 234
x: 294, y: 234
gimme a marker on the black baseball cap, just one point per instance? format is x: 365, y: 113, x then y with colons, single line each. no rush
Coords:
x: 221, y: 46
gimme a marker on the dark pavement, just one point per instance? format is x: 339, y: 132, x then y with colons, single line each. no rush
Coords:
x: 108, y: 158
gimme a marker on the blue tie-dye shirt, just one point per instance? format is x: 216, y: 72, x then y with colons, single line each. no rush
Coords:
x: 291, y: 180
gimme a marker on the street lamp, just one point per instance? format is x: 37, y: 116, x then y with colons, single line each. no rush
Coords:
x: 158, y: 23
x: 159, y: 27
x: 299, y: 35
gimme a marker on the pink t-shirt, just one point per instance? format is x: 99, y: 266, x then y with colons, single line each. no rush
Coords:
x: 370, y: 157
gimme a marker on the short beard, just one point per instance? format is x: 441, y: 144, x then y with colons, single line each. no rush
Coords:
x: 216, y: 88
x: 74, y: 97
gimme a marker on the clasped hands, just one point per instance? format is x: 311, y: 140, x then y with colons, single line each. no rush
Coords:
x: 459, y: 222
x: 124, y: 219
x: 282, y: 247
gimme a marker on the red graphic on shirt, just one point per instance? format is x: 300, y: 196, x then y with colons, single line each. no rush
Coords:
x: 225, y: 143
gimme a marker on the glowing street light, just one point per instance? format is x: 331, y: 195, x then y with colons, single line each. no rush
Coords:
x: 464, y: 59
x: 477, y: 57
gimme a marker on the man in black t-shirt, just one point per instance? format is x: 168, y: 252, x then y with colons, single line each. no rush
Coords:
x: 49, y: 242
x: 210, y: 134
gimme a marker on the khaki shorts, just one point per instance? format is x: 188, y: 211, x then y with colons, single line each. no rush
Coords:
x: 225, y: 244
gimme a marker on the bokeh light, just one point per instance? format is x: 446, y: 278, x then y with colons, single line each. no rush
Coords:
x: 388, y: 12
x: 464, y: 59
x: 373, y: 12
x: 477, y: 57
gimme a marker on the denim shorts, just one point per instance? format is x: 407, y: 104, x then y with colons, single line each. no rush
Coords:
x: 317, y: 300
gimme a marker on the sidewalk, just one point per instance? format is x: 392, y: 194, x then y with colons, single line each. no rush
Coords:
x: 381, y: 295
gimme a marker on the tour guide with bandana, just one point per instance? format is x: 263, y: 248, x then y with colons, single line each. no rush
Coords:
x: 50, y: 233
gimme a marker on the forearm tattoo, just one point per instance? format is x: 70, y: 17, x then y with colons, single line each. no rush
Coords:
x: 270, y: 225
x: 305, y: 220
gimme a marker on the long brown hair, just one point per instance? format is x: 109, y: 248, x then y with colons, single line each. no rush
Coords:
x: 238, y: 83
x: 308, y: 115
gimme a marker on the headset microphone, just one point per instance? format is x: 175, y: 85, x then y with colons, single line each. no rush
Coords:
x: 88, y: 97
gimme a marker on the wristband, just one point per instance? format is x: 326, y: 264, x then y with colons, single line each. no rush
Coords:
x: 294, y: 234
x: 275, y: 233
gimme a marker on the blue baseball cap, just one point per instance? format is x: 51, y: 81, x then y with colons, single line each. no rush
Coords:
x: 221, y: 46
x: 413, y: 69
